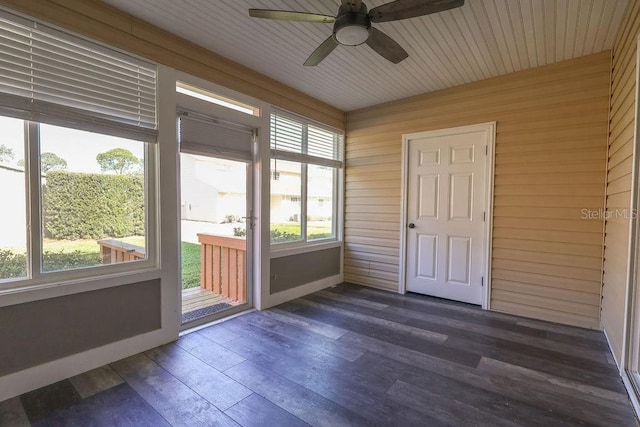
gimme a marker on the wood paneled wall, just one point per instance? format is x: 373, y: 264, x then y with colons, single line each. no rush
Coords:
x: 107, y: 24
x: 550, y: 164
x: 620, y: 159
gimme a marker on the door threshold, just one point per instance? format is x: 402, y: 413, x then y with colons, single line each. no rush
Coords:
x: 202, y: 323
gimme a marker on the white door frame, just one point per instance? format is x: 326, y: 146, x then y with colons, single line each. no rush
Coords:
x: 629, y: 359
x: 255, y: 247
x: 490, y: 127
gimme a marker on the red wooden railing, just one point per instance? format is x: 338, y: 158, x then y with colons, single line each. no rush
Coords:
x: 223, y: 265
x: 113, y: 251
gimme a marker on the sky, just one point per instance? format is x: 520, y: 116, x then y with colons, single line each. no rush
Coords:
x: 78, y: 148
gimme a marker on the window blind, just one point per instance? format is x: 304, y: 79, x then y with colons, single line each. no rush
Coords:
x: 200, y: 134
x: 322, y: 143
x: 286, y: 134
x: 52, y: 76
x: 298, y: 140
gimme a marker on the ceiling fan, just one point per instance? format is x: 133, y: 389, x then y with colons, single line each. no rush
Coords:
x: 352, y: 25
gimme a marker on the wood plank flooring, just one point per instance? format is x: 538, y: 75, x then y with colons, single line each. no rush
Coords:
x: 350, y: 356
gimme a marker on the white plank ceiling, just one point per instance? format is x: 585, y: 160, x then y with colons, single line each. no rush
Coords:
x: 482, y: 39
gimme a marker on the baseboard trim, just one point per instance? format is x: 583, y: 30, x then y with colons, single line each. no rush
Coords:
x: 300, y: 291
x: 628, y: 385
x: 381, y: 288
x: 20, y: 382
x: 631, y: 392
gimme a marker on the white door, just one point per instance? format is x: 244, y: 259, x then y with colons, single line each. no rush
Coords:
x: 446, y: 210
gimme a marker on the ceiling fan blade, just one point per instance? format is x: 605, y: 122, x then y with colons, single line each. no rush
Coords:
x: 321, y: 52
x: 286, y: 15
x: 386, y: 47
x: 404, y: 9
x: 353, y: 5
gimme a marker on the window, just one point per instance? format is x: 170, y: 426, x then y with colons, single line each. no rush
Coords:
x: 320, y: 188
x: 306, y: 159
x: 223, y: 101
x: 92, y: 201
x: 286, y: 210
x: 76, y: 158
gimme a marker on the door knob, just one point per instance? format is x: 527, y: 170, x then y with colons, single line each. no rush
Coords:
x: 411, y: 225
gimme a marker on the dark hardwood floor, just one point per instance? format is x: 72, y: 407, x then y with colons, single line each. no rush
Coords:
x: 350, y: 356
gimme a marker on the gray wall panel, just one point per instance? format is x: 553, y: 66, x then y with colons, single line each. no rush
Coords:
x: 41, y: 331
x: 292, y: 271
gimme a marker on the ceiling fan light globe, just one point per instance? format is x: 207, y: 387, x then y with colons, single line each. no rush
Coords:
x: 352, y: 35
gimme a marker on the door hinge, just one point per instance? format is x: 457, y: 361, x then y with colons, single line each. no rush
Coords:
x: 482, y: 281
x: 486, y: 150
x: 484, y: 216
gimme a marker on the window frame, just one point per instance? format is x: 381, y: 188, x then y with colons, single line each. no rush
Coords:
x: 304, y: 244
x: 33, y: 194
x: 335, y: 208
x: 220, y: 100
x: 69, y: 108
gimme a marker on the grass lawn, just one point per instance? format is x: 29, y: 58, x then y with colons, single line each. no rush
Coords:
x: 190, y: 265
x: 71, y: 254
x: 85, y: 246
x: 89, y: 250
x: 89, y: 247
x: 313, y: 230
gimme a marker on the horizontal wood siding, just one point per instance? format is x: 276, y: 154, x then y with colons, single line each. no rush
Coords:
x: 550, y: 165
x: 109, y: 25
x: 620, y: 158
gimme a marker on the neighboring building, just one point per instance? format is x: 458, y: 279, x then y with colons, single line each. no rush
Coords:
x: 13, y: 226
x: 212, y: 189
x: 209, y: 195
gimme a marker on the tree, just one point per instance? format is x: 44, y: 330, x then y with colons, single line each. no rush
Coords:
x: 118, y: 160
x: 49, y: 162
x: 6, y: 153
x: 52, y: 162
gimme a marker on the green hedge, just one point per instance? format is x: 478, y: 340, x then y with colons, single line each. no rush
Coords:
x: 14, y: 265
x: 93, y: 206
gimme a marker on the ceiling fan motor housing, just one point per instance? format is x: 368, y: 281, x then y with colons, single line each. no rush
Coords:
x: 352, y: 28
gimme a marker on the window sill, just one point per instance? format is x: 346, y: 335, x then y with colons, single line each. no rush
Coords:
x: 302, y: 248
x: 19, y: 292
